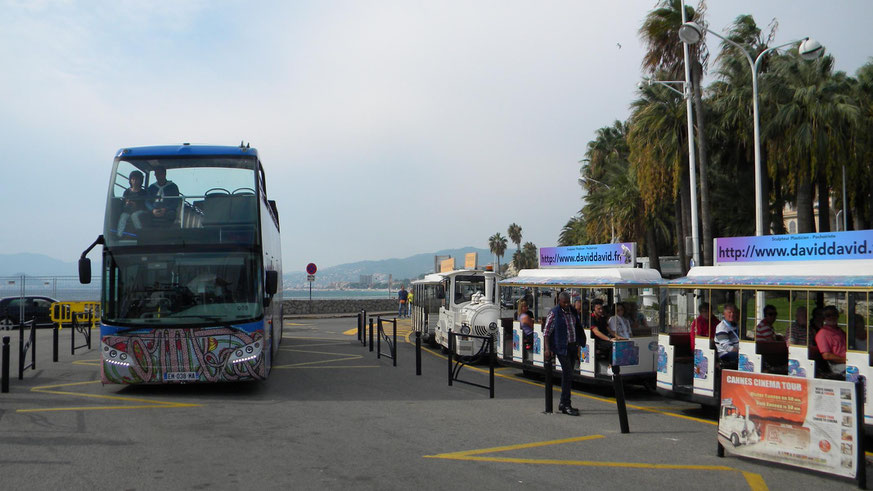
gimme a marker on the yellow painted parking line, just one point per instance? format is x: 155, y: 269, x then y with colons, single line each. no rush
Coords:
x: 755, y: 481
x: 148, y: 403
x: 295, y: 324
x: 351, y: 331
x: 90, y: 363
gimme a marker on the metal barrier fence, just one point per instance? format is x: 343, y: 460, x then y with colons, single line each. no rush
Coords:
x: 25, y: 346
x: 487, y: 349
x: 391, y: 342
x: 64, y: 288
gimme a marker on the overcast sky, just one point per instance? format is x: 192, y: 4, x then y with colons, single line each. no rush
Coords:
x: 386, y: 128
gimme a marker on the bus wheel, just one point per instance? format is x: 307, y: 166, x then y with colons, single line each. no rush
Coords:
x: 735, y: 440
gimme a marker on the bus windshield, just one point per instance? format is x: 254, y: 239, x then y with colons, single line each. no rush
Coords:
x: 199, y: 200
x: 180, y: 289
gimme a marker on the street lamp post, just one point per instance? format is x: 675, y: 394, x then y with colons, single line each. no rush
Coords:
x: 808, y: 48
x: 611, y: 214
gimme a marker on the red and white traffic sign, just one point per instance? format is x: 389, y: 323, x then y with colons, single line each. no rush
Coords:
x: 311, y: 268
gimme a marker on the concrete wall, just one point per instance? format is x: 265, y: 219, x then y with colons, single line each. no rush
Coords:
x: 339, y: 306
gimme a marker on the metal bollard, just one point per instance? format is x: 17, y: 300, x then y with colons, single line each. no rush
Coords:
x: 549, y: 390
x: 21, y: 356
x: 55, y: 343
x: 619, y: 398
x: 394, y: 345
x: 379, y: 338
x: 4, y: 376
x: 451, y: 350
x: 418, y: 352
x: 371, y: 334
x: 492, y: 361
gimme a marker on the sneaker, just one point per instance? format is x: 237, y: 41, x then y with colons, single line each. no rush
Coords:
x: 568, y: 410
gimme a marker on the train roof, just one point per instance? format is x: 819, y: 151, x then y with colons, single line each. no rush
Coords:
x: 586, y: 277
x: 185, y: 150
x: 856, y: 273
x: 431, y: 278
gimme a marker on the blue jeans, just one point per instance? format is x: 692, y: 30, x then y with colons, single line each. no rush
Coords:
x: 566, y: 362
x: 402, y: 310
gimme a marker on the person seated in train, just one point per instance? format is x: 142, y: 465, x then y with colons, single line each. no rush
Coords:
x: 134, y: 200
x: 816, y: 321
x: 600, y: 330
x: 765, y: 330
x: 727, y: 338
x: 704, y: 323
x: 162, y: 201
x: 831, y: 340
x: 619, y: 326
x: 797, y: 332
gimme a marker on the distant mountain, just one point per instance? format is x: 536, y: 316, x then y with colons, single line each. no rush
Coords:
x: 35, y: 265
x: 410, y: 267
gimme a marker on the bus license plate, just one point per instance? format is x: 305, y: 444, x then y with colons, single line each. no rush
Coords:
x: 180, y: 376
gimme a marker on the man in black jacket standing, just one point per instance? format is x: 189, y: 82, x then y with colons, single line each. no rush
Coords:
x: 560, y: 338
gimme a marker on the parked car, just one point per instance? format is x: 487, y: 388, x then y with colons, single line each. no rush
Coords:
x: 35, y: 308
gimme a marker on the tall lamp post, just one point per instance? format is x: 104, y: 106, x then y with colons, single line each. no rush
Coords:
x: 611, y: 214
x: 808, y: 48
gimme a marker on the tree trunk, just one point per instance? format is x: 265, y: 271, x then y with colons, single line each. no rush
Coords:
x: 824, y: 204
x: 705, y: 213
x: 778, y: 223
x: 652, y: 247
x: 803, y: 198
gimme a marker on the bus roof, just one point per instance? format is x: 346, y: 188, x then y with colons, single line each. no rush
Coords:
x: 185, y: 149
x: 812, y: 273
x: 588, y: 277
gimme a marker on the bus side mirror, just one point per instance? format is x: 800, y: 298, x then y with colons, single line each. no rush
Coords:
x: 272, y: 285
x: 84, y: 270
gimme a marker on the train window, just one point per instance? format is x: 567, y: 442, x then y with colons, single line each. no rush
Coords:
x: 801, y: 315
x: 680, y: 311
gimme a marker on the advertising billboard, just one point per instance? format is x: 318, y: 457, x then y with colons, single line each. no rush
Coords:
x: 824, y: 246
x: 471, y: 260
x: 809, y: 423
x: 621, y: 255
x: 447, y: 265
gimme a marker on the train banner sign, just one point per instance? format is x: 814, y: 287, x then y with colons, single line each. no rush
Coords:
x: 621, y: 255
x: 810, y: 423
x: 821, y: 246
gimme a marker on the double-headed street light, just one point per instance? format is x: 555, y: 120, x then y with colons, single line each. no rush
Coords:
x: 611, y: 214
x: 808, y: 48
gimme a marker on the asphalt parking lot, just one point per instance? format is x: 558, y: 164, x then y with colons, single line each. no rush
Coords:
x: 332, y: 415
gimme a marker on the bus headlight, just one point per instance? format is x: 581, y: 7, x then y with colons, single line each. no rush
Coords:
x: 115, y: 356
x: 246, y: 353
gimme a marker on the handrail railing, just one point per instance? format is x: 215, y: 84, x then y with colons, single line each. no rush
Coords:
x: 486, y: 349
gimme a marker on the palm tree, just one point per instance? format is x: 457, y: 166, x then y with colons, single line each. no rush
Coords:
x: 656, y: 140
x: 815, y: 117
x: 514, y: 233
x: 497, y: 243
x: 665, y: 60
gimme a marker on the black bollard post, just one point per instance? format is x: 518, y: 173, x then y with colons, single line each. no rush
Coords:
x: 91, y: 326
x: 33, y: 345
x: 21, y: 354
x: 394, y: 345
x: 4, y: 376
x: 619, y: 399
x: 549, y: 390
x: 371, y: 334
x: 451, y: 350
x: 418, y: 352
x: 492, y: 362
x: 55, y: 343
x: 379, y: 338
x: 359, y: 325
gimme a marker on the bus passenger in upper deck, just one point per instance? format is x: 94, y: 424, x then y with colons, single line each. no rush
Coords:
x: 618, y: 326
x: 797, y: 331
x: 727, y: 337
x: 134, y: 199
x: 765, y: 331
x: 163, y: 208
x: 831, y: 340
